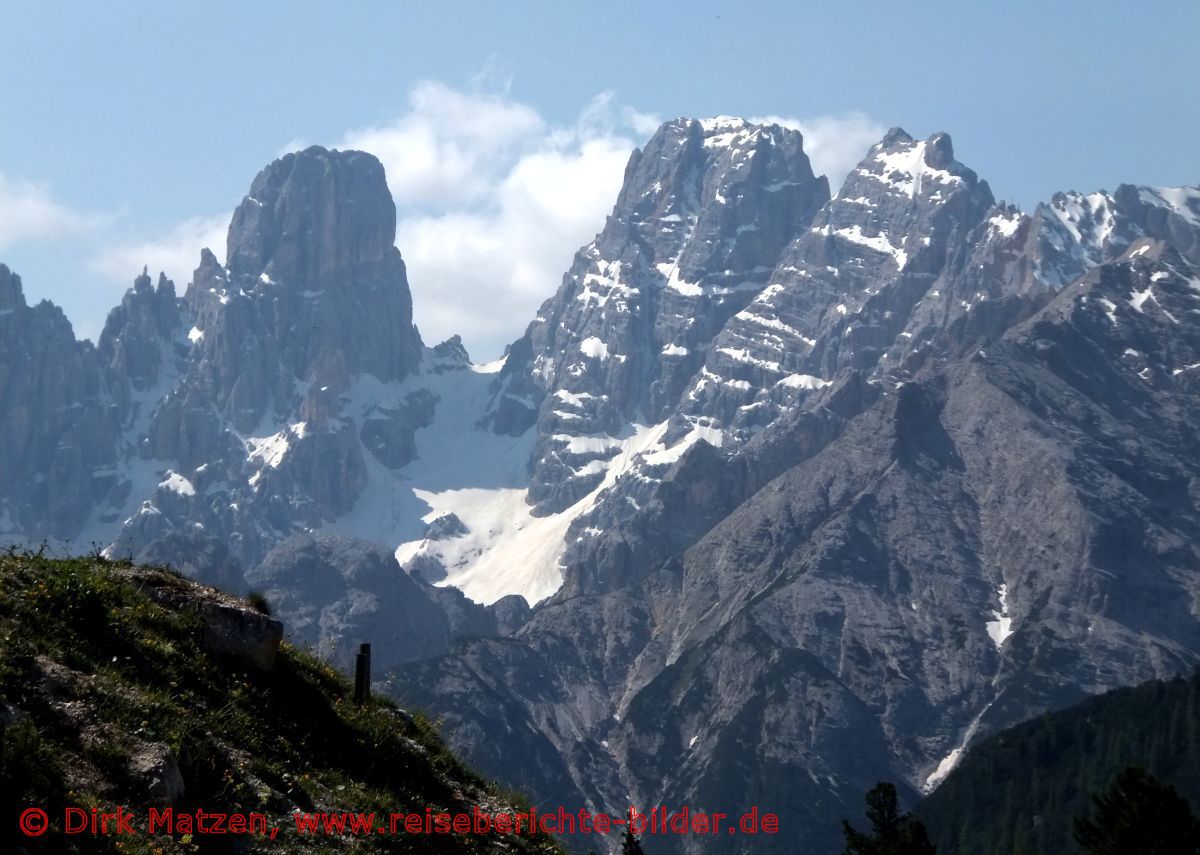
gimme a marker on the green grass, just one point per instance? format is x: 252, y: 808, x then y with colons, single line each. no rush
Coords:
x: 80, y: 635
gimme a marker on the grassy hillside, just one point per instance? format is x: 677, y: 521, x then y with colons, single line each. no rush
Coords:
x: 1017, y: 792
x: 113, y: 693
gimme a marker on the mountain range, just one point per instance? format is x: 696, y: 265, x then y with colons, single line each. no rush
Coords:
x: 780, y: 494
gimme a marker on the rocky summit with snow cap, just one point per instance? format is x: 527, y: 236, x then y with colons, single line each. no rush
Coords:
x: 704, y: 213
x: 805, y: 492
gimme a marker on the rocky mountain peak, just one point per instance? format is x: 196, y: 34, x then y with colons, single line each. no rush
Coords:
x: 694, y: 176
x: 311, y: 214
x: 911, y: 167
x: 11, y: 295
x: 273, y: 363
x: 939, y: 150
x: 314, y: 286
x: 706, y: 208
x: 1078, y: 231
x: 894, y: 136
x: 207, y: 259
x: 719, y: 124
x: 142, y: 284
x: 136, y: 333
x: 843, y: 290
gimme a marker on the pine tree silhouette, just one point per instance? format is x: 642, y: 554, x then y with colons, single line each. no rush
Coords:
x: 1141, y: 814
x: 630, y: 844
x: 892, y: 833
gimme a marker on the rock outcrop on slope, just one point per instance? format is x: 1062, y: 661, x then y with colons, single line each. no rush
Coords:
x: 335, y: 593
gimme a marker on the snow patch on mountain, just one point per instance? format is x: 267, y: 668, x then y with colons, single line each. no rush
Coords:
x: 269, y: 451
x: 662, y: 455
x: 176, y: 483
x: 879, y: 242
x: 594, y: 348
x: 906, y: 170
x: 477, y: 475
x: 508, y: 550
x: 1088, y: 218
x: 1000, y: 627
x: 944, y: 768
x: 1184, y: 201
x: 948, y: 763
x: 726, y: 131
x: 670, y: 272
x: 1006, y: 225
x: 804, y: 381
x: 453, y: 453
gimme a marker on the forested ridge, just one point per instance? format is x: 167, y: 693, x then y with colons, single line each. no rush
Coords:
x: 1018, y: 792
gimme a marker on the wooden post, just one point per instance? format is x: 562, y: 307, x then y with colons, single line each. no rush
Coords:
x: 362, y: 674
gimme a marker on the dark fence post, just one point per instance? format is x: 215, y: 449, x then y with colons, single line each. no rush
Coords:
x: 362, y: 674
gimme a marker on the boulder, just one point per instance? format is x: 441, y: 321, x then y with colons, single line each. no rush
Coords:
x: 242, y: 634
x: 157, y: 772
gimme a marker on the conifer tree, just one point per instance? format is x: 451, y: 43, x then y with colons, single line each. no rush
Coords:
x: 1141, y: 814
x: 892, y: 833
x: 630, y: 845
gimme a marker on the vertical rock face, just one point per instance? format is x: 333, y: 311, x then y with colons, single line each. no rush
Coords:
x: 845, y: 288
x: 312, y: 217
x: 212, y: 426
x: 323, y: 225
x: 313, y: 300
x: 846, y: 600
x: 137, y: 337
x: 204, y: 430
x: 911, y: 265
x: 315, y: 291
x: 58, y: 421
x: 706, y: 208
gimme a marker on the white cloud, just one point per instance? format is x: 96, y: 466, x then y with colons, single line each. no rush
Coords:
x: 451, y: 146
x: 493, y: 200
x: 834, y: 143
x: 29, y: 212
x: 177, y: 253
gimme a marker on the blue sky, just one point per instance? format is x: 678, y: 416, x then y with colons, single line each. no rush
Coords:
x: 129, y: 130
